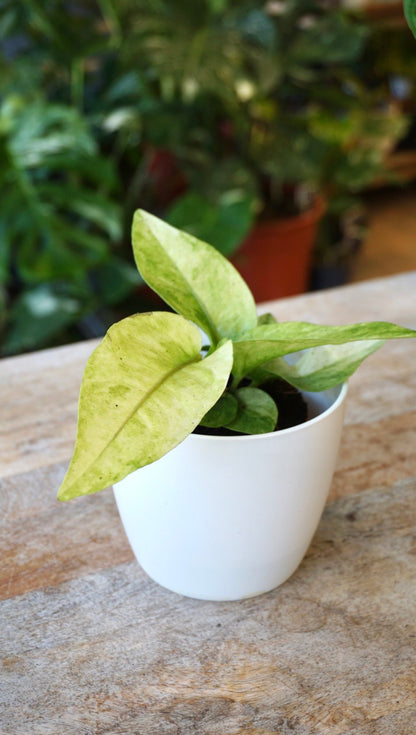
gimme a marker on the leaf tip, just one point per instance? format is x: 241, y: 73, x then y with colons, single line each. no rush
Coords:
x: 63, y: 495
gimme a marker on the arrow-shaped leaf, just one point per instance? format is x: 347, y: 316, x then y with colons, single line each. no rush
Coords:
x: 257, y: 412
x: 320, y: 367
x: 267, y: 342
x: 193, y: 278
x: 145, y: 388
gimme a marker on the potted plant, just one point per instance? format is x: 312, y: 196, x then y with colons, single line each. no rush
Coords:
x: 340, y: 237
x: 180, y: 411
x: 274, y: 115
x: 356, y: 162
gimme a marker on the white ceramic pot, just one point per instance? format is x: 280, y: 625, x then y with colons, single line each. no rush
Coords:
x: 223, y: 518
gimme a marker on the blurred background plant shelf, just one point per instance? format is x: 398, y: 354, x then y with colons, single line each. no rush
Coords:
x: 227, y: 119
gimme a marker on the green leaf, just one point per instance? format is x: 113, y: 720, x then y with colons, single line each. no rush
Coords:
x: 224, y: 411
x: 193, y: 278
x: 37, y: 315
x: 224, y: 222
x: 114, y: 280
x: 267, y: 342
x: 90, y: 205
x: 410, y: 13
x: 332, y: 39
x: 266, y: 319
x: 145, y: 388
x: 5, y: 253
x: 45, y: 130
x: 257, y: 412
x: 320, y: 367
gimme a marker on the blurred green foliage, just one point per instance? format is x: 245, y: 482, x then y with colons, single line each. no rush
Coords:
x: 61, y: 221
x: 209, y: 114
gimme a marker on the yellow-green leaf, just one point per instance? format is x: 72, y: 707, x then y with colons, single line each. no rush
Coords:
x: 267, y: 342
x: 410, y: 13
x: 320, y: 367
x: 145, y: 388
x: 193, y: 278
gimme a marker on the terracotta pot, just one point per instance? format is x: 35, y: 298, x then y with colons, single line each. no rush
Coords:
x: 275, y: 258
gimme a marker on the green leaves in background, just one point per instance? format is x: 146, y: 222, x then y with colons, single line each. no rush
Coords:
x: 147, y: 372
x: 38, y: 314
x: 56, y: 191
x: 225, y: 222
x: 330, y: 39
x: 410, y: 13
x: 42, y: 311
x: 59, y: 224
x: 193, y: 278
x: 248, y: 102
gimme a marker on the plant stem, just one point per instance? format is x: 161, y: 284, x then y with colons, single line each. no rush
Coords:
x: 112, y: 22
x: 77, y: 83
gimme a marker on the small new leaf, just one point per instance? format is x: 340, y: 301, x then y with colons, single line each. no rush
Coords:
x: 267, y: 318
x: 224, y: 411
x: 257, y: 412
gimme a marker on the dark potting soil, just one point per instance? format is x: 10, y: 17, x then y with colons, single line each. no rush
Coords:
x: 289, y: 401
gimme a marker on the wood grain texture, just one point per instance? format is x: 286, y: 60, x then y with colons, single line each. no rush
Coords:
x: 329, y: 653
x: 38, y: 406
x: 89, y: 645
x: 44, y: 543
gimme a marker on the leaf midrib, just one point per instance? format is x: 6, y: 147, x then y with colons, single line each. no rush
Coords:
x: 136, y: 408
x: 213, y: 331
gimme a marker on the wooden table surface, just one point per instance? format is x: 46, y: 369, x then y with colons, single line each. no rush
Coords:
x: 90, y: 645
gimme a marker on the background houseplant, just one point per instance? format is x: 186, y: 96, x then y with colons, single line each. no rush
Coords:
x: 154, y: 379
x: 207, y: 134
x: 359, y: 161
x: 384, y: 155
x: 61, y: 260
x: 298, y: 120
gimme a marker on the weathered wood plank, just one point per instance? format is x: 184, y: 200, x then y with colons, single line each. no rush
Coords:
x: 388, y: 298
x: 331, y: 652
x: 375, y: 455
x: 38, y: 406
x: 59, y: 546
x: 90, y: 646
x: 44, y: 542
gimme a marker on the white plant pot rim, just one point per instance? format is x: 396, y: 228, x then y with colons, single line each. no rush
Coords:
x: 281, y: 432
